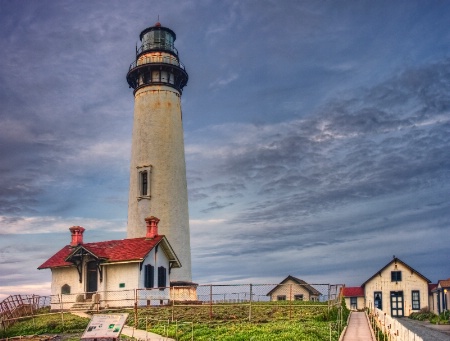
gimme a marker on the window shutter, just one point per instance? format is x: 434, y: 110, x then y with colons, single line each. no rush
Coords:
x: 162, y: 277
x: 149, y: 276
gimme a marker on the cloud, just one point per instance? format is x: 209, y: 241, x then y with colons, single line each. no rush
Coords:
x: 16, y: 225
x: 218, y: 83
x: 369, y: 169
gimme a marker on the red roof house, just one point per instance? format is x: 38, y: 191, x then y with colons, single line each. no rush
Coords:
x: 81, y: 270
x: 354, y: 297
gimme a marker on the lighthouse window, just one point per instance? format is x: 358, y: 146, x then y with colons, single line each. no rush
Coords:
x: 155, y: 76
x: 144, y: 182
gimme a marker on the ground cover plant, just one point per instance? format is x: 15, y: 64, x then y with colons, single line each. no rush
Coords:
x: 426, y: 315
x: 281, y: 321
x: 263, y: 321
x: 49, y: 324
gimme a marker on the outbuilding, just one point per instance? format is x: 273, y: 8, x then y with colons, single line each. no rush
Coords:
x: 108, y: 273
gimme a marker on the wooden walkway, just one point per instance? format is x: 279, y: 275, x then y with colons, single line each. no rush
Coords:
x: 358, y: 328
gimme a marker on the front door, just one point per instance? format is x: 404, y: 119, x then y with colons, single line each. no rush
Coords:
x: 91, y: 279
x: 397, y: 303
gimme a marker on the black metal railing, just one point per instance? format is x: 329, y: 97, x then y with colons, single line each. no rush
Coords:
x: 170, y: 60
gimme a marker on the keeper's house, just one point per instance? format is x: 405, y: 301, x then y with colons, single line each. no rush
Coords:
x: 397, y: 289
x: 107, y: 273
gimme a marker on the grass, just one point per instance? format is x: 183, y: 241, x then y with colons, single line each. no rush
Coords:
x: 47, y: 324
x: 284, y: 321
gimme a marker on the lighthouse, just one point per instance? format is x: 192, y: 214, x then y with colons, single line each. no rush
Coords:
x: 158, y: 169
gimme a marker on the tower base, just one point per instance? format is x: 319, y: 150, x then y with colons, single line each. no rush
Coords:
x: 183, y: 292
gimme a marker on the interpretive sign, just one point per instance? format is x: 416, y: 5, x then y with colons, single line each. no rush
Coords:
x: 104, y: 327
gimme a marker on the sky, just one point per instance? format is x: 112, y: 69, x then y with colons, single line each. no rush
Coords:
x: 317, y: 134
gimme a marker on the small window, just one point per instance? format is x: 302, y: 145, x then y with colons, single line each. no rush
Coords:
x: 144, y: 182
x: 298, y: 297
x: 149, y: 276
x: 415, y: 300
x: 162, y: 277
x: 281, y: 298
x: 378, y: 295
x: 353, y: 302
x: 396, y: 276
x: 65, y: 289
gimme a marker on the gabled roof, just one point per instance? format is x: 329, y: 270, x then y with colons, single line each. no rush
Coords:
x: 353, y: 292
x: 395, y: 259
x: 299, y: 281
x: 113, y: 251
x: 444, y: 283
x: 432, y: 287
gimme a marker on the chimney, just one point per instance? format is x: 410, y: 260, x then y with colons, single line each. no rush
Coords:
x: 77, y: 235
x: 152, y: 227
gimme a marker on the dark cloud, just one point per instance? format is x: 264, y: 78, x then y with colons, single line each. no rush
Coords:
x: 305, y: 139
x: 351, y: 151
x: 213, y: 206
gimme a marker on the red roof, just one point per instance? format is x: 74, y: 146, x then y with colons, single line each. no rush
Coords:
x: 444, y: 283
x: 353, y: 292
x: 431, y: 287
x: 134, y: 249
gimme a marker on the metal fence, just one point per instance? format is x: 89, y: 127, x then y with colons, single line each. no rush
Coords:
x: 17, y: 306
x: 179, y: 309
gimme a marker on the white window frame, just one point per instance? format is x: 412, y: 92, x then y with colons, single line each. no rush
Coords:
x: 140, y: 170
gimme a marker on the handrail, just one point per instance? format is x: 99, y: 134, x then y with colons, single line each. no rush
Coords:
x: 157, y: 59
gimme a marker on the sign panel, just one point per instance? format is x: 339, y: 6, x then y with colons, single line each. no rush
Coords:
x: 104, y: 327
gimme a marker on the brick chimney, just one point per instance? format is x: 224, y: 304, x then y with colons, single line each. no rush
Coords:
x: 152, y: 227
x: 77, y: 235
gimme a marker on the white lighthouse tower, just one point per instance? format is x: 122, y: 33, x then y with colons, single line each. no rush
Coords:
x: 158, y: 170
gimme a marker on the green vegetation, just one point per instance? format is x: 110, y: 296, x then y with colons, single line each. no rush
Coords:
x: 427, y: 315
x: 46, y: 324
x: 260, y: 322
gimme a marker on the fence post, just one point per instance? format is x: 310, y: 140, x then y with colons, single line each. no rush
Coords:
x: 290, y: 301
x: 329, y: 300
x: 250, y: 307
x: 62, y: 310
x: 135, y: 309
x: 210, y: 302
x: 173, y: 310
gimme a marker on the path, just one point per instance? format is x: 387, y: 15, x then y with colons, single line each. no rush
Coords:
x: 426, y: 330
x: 358, y: 328
x: 138, y: 334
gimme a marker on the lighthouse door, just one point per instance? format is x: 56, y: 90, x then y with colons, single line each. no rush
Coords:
x: 91, y: 279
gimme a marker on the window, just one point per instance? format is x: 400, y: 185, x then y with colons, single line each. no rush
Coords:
x: 396, y: 276
x: 149, y: 276
x: 415, y: 300
x: 298, y: 297
x: 378, y: 299
x: 144, y: 182
x: 65, y: 289
x: 281, y: 298
x: 162, y: 277
x: 354, y: 302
